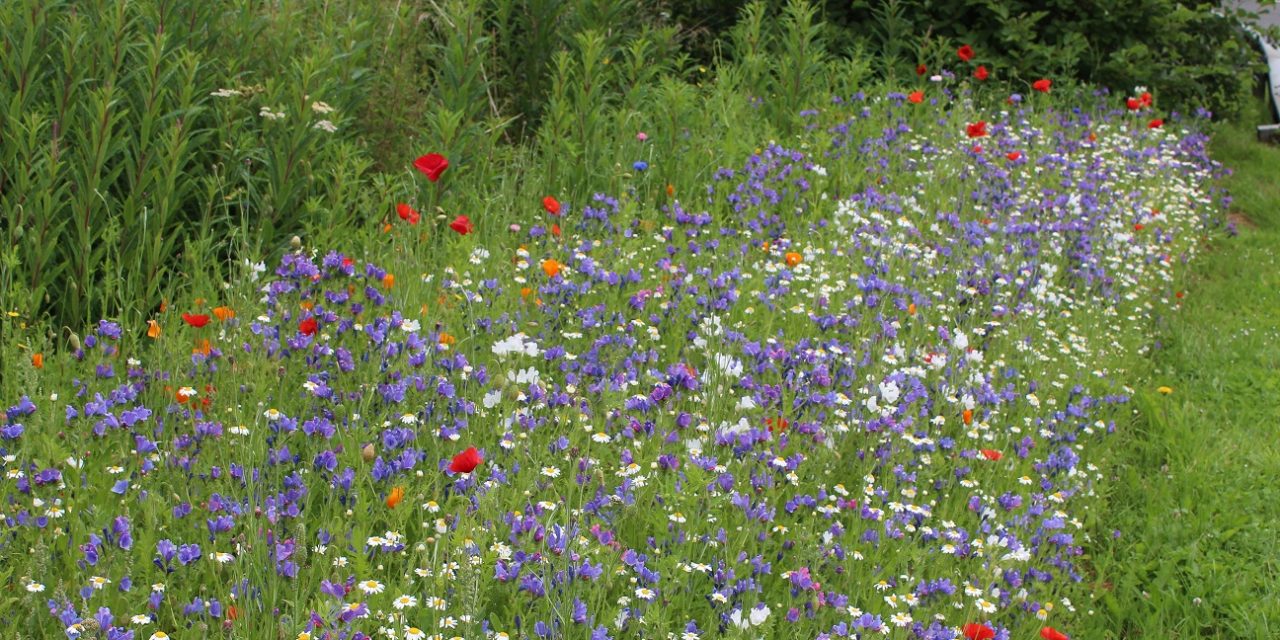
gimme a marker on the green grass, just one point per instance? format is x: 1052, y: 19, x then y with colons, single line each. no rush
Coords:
x: 1197, y: 493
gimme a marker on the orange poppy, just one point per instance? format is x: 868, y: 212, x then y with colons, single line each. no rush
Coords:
x: 551, y: 268
x: 793, y: 258
x: 397, y: 494
x: 447, y: 339
x: 911, y: 309
x: 968, y: 416
x: 37, y: 360
x: 223, y: 314
x: 202, y: 346
x: 388, y: 281
x: 153, y: 329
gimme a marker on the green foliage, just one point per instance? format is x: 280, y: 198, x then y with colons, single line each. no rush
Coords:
x: 1194, y: 493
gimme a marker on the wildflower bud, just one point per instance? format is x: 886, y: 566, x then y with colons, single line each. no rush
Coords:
x: 367, y: 452
x: 295, y: 242
x: 17, y: 231
x: 74, y: 341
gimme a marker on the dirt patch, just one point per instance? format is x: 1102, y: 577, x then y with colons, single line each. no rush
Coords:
x: 1240, y: 220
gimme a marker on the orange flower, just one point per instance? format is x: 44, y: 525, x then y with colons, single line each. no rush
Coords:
x: 551, y: 268
x: 233, y: 613
x: 447, y: 339
x: 37, y: 360
x: 202, y: 346
x: 388, y: 281
x: 199, y: 302
x: 397, y: 494
x: 968, y: 416
x: 991, y: 454
x: 164, y: 304
x: 223, y: 314
x: 153, y: 329
x: 911, y: 309
x: 671, y: 190
x: 525, y: 291
x: 764, y: 246
x: 794, y: 258
x: 386, y: 228
x: 307, y: 304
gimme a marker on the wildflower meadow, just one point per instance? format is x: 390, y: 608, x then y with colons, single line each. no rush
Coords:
x: 860, y: 380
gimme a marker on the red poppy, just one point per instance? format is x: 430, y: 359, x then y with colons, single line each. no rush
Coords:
x: 915, y: 97
x: 462, y: 225
x: 1042, y: 85
x: 921, y: 69
x: 981, y: 73
x: 965, y: 53
x: 408, y: 213
x: 1138, y: 227
x: 977, y: 129
x: 1155, y: 124
x: 1145, y: 98
x: 431, y: 165
x: 1133, y: 104
x: 991, y: 454
x: 195, y: 320
x: 307, y: 327
x: 1013, y: 156
x: 975, y: 631
x: 551, y: 205
x: 1049, y: 633
x: 555, y: 230
x: 466, y: 462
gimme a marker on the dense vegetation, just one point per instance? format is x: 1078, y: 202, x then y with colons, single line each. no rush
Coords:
x: 585, y: 318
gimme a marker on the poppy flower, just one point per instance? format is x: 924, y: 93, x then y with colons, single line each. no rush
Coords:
x: 394, y: 498
x: 550, y: 267
x: 975, y: 631
x: 991, y: 454
x: 153, y: 329
x: 921, y: 69
x: 307, y: 327
x: 447, y: 339
x: 981, y: 73
x: 1155, y: 124
x: 551, y: 205
x: 223, y: 314
x: 1133, y: 104
x: 1013, y: 156
x: 37, y: 360
x: 555, y: 230
x: 671, y: 190
x: 388, y: 281
x: 1145, y: 99
x: 462, y: 225
x: 202, y: 346
x: 408, y: 213
x: 1138, y: 227
x: 1042, y: 85
x: 1049, y: 633
x: 466, y: 462
x: 195, y: 320
x: 965, y: 53
x: 431, y: 165
x: 967, y: 416
x: 977, y: 129
x: 793, y: 258
x: 911, y: 309
x: 915, y: 97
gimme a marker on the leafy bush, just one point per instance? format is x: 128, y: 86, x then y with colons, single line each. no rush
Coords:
x: 131, y: 129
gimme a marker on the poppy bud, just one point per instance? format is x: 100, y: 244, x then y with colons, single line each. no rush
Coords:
x: 295, y: 242
x: 367, y: 453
